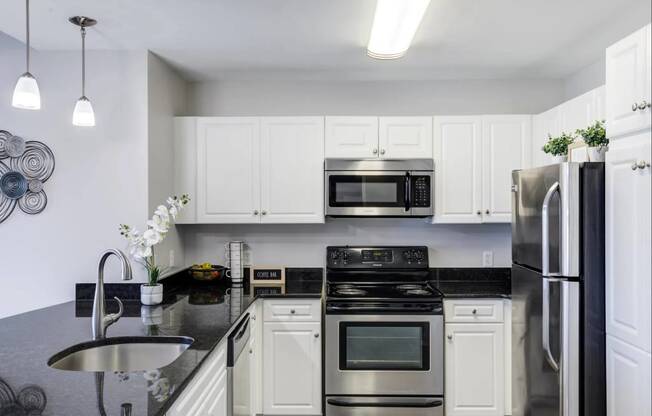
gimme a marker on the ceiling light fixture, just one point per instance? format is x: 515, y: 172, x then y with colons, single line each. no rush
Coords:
x: 26, y: 94
x: 395, y: 23
x: 83, y: 115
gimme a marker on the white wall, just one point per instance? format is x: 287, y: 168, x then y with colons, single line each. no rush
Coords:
x: 235, y: 98
x: 305, y: 245
x: 100, y: 178
x: 166, y: 92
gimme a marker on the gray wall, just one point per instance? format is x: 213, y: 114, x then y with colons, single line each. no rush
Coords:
x: 273, y: 98
x: 586, y: 79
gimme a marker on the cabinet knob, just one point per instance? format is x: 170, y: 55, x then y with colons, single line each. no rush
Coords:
x: 487, y: 212
x: 634, y: 166
x: 375, y: 151
x: 479, y: 212
x: 382, y: 151
x: 292, y: 311
x: 316, y: 334
x: 474, y: 311
x: 643, y: 164
x: 634, y: 107
x: 643, y: 105
x: 251, y: 351
x: 255, y: 212
x: 253, y: 317
x: 264, y: 212
x: 450, y: 337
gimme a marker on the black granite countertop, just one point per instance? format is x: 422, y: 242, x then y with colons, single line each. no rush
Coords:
x: 203, y: 312
x: 459, y: 283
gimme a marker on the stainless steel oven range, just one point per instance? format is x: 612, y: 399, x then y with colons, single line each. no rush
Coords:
x: 384, y: 333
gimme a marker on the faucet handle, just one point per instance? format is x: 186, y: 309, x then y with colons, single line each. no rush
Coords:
x: 113, y: 317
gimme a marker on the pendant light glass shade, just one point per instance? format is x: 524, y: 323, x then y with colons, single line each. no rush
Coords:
x: 83, y: 115
x: 26, y: 93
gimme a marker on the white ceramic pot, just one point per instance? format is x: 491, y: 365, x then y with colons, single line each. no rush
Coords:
x: 151, y: 295
x: 559, y: 158
x: 596, y: 154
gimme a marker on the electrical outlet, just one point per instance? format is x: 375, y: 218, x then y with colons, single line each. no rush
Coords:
x: 487, y: 259
x: 171, y: 260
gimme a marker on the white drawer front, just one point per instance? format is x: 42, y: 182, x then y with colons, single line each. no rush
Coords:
x: 474, y: 310
x: 300, y: 310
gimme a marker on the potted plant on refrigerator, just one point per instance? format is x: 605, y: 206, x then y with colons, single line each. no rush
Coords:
x: 141, y: 246
x: 595, y: 137
x: 558, y: 147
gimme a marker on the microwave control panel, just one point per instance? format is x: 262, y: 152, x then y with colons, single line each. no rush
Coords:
x: 421, y: 191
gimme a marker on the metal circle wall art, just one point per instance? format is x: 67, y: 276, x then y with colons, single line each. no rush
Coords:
x: 30, y: 164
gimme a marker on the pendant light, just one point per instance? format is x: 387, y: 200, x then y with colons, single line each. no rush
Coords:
x: 83, y: 114
x: 26, y: 94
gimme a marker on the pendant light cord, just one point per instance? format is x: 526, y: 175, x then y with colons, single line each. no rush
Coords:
x: 83, y: 36
x: 27, y: 30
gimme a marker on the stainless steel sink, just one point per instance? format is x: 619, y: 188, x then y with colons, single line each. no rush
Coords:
x: 121, y: 354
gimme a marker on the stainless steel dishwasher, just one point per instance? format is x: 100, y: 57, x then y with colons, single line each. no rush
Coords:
x: 238, y: 364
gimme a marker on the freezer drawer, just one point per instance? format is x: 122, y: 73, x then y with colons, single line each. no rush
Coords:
x: 384, y: 406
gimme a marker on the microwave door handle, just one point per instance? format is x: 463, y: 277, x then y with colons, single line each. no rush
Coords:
x: 408, y: 191
x: 545, y: 231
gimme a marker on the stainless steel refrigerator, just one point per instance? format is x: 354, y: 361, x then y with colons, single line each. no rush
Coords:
x: 558, y: 319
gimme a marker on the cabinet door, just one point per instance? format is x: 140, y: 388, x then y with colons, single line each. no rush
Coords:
x: 544, y: 125
x: 292, y: 170
x: 628, y: 379
x: 351, y: 137
x: 577, y: 113
x: 474, y: 370
x: 405, y: 137
x: 627, y: 236
x: 228, y: 169
x: 292, y: 368
x: 627, y: 84
x: 506, y: 146
x: 458, y: 169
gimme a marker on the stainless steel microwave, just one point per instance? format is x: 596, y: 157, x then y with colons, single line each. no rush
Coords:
x: 379, y: 188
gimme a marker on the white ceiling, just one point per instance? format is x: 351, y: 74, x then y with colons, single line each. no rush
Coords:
x: 326, y: 39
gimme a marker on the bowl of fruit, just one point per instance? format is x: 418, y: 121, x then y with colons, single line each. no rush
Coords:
x: 207, y: 272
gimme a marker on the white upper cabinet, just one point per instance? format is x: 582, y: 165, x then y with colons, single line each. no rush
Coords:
x: 228, y: 169
x: 628, y: 84
x: 458, y: 169
x: 351, y: 137
x: 579, y: 112
x: 405, y: 137
x: 627, y: 234
x: 292, y: 164
x: 506, y: 146
x: 378, y: 137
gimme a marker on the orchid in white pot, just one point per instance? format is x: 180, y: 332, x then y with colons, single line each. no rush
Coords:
x: 141, y: 245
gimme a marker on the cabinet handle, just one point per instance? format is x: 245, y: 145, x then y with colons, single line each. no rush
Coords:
x: 255, y: 212
x: 474, y: 311
x: 634, y: 166
x: 479, y: 212
x: 643, y: 164
x: 648, y: 105
x: 292, y: 311
x: 487, y: 212
x: 316, y: 335
x: 264, y: 212
x: 253, y: 317
x: 382, y: 151
x: 375, y: 151
x: 634, y: 107
x: 450, y: 337
x: 643, y: 105
x: 251, y: 351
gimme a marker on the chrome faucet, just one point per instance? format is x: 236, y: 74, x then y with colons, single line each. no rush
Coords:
x: 100, y: 321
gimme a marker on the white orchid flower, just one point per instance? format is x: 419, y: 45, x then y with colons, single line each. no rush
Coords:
x: 152, y: 237
x: 159, y: 224
x: 140, y: 252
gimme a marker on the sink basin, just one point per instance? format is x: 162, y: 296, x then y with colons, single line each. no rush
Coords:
x: 121, y: 354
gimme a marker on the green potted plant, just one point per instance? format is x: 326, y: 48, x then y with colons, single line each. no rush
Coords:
x: 141, y: 246
x: 558, y: 147
x: 595, y: 137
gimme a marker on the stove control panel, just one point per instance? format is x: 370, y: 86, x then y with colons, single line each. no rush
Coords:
x: 404, y: 257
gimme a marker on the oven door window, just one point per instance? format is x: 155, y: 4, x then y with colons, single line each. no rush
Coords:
x: 366, y: 191
x: 400, y: 346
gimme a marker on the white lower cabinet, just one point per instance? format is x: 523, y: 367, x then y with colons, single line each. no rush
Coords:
x: 477, y: 363
x: 628, y: 381
x: 206, y: 395
x: 291, y: 360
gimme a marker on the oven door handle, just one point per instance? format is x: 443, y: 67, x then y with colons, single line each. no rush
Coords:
x: 423, y: 403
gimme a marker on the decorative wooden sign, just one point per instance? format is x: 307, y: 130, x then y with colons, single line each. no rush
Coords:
x: 273, y: 275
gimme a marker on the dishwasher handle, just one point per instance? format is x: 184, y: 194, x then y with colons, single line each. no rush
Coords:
x: 237, y: 340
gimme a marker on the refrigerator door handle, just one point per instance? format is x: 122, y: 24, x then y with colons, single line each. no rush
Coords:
x: 546, y: 325
x: 545, y: 231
